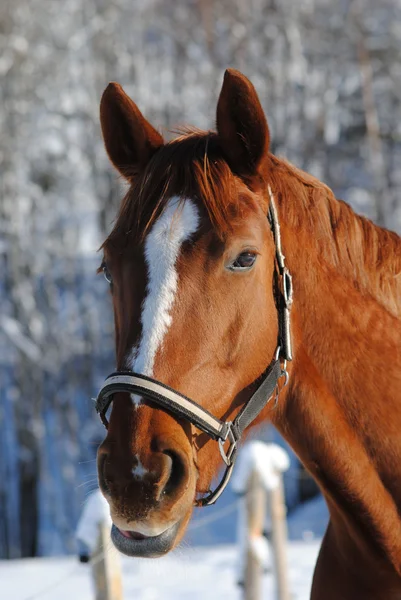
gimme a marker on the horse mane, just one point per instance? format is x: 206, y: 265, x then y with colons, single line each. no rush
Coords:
x: 367, y: 254
x: 192, y: 166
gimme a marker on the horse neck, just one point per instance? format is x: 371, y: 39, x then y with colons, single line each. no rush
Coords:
x: 342, y: 412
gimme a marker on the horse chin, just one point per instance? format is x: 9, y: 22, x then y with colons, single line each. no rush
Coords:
x: 133, y: 544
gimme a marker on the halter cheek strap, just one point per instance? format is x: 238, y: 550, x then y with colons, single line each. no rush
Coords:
x: 185, y: 408
x: 286, y: 295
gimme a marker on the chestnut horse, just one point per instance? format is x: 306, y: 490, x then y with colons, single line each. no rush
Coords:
x: 193, y: 266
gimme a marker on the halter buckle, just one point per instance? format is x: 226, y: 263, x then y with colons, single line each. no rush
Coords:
x: 230, y: 435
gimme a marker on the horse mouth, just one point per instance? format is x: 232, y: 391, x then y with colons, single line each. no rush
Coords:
x: 132, y: 543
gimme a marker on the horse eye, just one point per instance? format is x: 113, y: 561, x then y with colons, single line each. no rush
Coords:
x: 243, y: 262
x: 107, y: 274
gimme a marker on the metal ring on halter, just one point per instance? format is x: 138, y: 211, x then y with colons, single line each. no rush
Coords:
x: 286, y: 375
x: 227, y: 456
x: 284, y: 372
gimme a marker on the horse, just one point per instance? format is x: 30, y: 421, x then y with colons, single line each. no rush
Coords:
x: 243, y: 292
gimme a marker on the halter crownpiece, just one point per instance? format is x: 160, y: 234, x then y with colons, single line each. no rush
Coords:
x: 185, y: 408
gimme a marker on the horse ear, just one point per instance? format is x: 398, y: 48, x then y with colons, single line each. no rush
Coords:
x: 129, y: 138
x: 241, y: 124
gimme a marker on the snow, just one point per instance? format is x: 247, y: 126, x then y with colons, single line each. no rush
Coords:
x: 95, y: 511
x: 12, y: 329
x: 188, y: 572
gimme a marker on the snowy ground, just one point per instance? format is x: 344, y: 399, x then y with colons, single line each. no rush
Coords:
x: 195, y: 573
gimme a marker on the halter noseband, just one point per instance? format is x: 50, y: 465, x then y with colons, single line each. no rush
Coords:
x: 185, y: 408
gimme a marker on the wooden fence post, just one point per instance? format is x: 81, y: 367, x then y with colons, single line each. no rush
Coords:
x: 255, y: 520
x: 106, y: 568
x: 279, y: 539
x: 259, y: 478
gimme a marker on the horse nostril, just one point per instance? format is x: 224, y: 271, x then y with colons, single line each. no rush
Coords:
x: 178, y: 473
x: 101, y: 472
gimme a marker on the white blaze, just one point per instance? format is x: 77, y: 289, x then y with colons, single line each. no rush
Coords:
x: 139, y: 471
x: 162, y: 248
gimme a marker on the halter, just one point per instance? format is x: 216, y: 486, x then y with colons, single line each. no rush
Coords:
x: 185, y: 408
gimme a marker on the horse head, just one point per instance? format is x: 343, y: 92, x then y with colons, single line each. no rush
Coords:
x: 191, y: 266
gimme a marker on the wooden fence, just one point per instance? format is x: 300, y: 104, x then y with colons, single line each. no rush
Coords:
x: 106, y: 568
x: 259, y: 480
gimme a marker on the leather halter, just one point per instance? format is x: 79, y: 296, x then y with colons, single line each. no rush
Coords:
x: 185, y: 408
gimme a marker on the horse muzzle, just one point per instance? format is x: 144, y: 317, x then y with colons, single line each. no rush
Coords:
x: 132, y: 543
